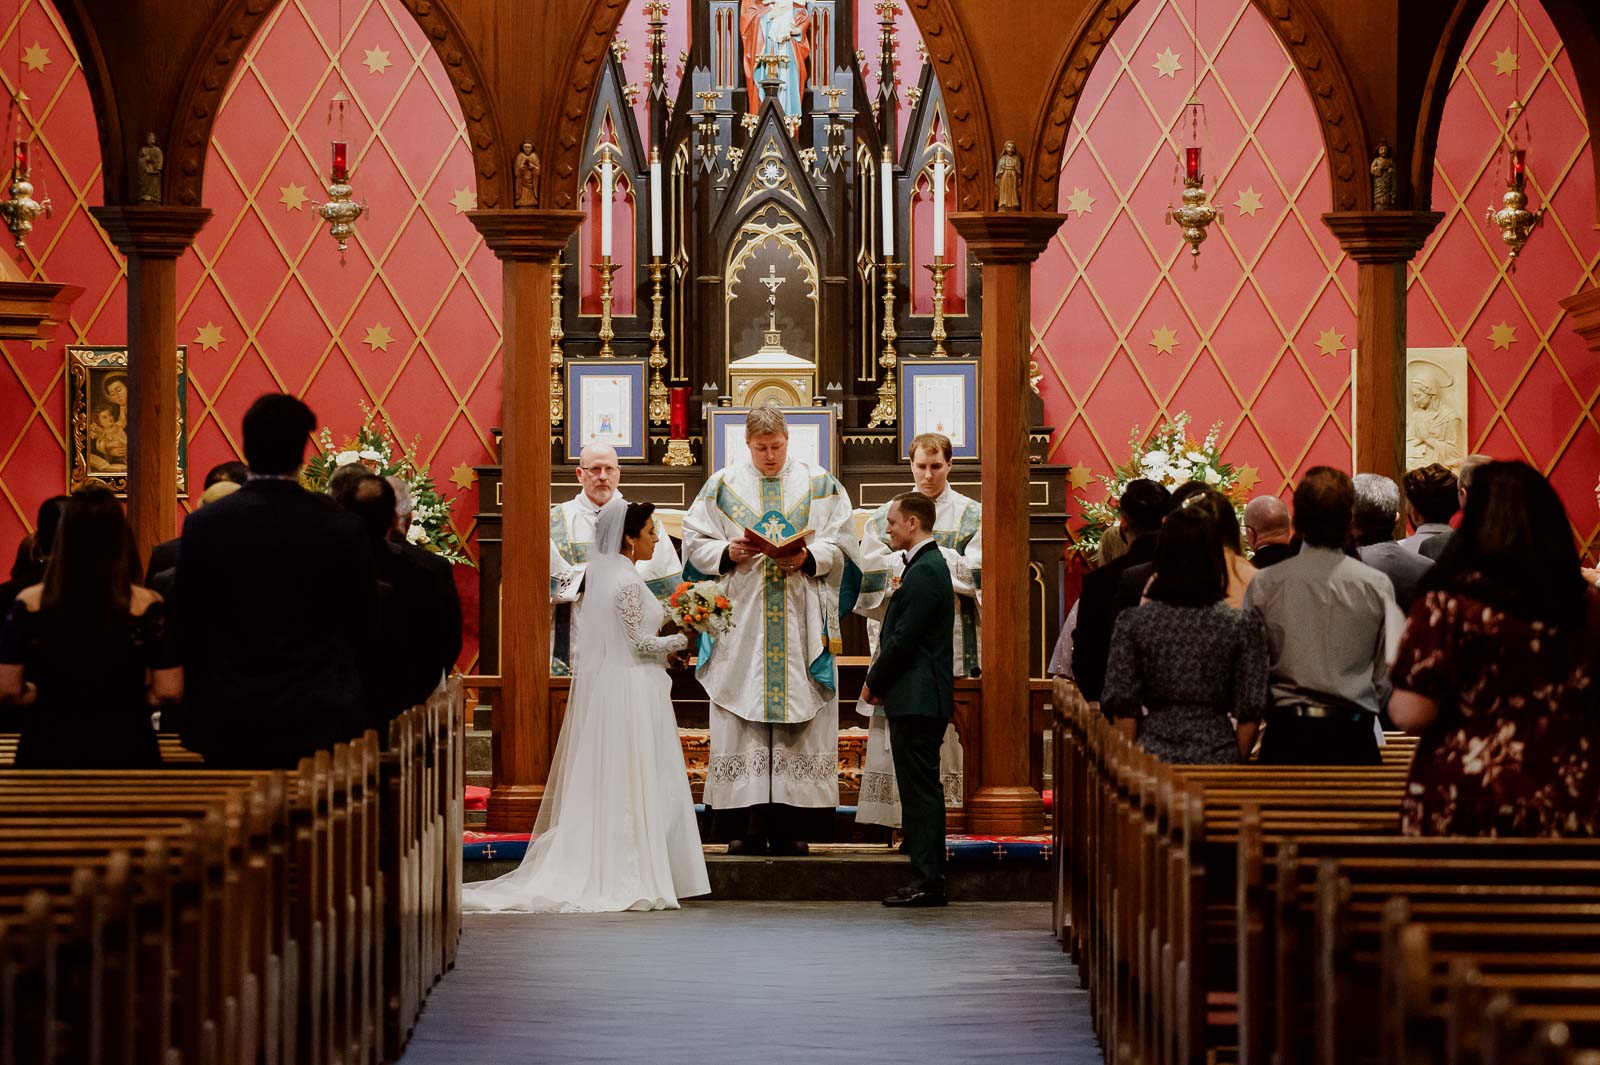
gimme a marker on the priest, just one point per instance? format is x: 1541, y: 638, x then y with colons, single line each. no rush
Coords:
x: 958, y: 530
x: 572, y: 536
x: 772, y: 678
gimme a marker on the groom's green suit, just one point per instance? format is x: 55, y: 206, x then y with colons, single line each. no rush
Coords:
x: 914, y: 677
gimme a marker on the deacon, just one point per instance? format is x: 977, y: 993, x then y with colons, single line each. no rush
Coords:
x: 957, y: 532
x: 771, y: 678
x: 572, y: 536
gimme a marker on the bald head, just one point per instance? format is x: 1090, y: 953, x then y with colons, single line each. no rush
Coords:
x: 599, y: 473
x: 1266, y: 521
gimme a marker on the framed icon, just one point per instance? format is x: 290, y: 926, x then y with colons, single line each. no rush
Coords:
x: 813, y: 435
x: 98, y: 397
x: 940, y: 396
x: 606, y: 405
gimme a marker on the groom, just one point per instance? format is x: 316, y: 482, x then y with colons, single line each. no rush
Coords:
x: 913, y: 679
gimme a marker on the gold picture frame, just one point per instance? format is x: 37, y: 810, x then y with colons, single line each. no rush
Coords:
x: 97, y: 418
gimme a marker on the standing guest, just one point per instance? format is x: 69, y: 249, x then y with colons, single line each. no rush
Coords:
x: 1144, y: 503
x: 1268, y: 531
x: 165, y: 580
x: 441, y: 569
x: 34, y: 552
x: 1498, y: 672
x: 88, y: 606
x: 1331, y: 622
x: 1218, y: 508
x: 1377, y: 514
x: 1063, y: 687
x: 276, y: 603
x: 1185, y: 661
x: 913, y: 681
x: 164, y: 556
x: 1432, y: 499
x: 1434, y: 546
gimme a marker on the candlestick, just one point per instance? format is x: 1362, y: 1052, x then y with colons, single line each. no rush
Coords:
x: 887, y: 205
x: 1191, y: 162
x: 558, y: 391
x: 887, y: 410
x: 938, y: 268
x: 679, y: 417
x: 341, y: 161
x: 938, y: 201
x: 607, y: 178
x: 658, y: 358
x: 678, y: 453
x: 606, y: 268
x: 655, y: 202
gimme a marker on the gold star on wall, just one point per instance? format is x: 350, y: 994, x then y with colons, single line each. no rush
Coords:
x: 1331, y: 342
x: 1163, y: 340
x: 1080, y: 202
x: 209, y: 337
x: 377, y: 60
x: 1505, y: 62
x: 1249, y: 201
x: 464, y: 200
x: 1502, y: 336
x: 1249, y: 477
x: 463, y: 477
x: 36, y: 58
x: 378, y: 337
x: 38, y: 345
x: 1167, y: 64
x: 1079, y: 476
x: 292, y: 196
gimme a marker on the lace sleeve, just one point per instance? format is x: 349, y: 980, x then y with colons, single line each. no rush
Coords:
x: 630, y: 609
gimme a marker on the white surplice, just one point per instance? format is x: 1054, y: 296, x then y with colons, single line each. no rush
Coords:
x: 958, y: 530
x: 772, y: 678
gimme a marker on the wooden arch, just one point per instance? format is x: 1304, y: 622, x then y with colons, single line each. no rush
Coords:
x: 1310, y: 49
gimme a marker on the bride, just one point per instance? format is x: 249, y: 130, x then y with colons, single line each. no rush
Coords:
x: 616, y: 830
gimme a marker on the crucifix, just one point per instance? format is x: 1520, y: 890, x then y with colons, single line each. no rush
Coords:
x: 772, y: 281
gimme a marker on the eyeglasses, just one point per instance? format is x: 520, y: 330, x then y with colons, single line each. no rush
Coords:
x: 599, y: 469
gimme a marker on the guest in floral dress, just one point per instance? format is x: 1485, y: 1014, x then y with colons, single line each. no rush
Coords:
x: 1499, y: 673
x: 1187, y: 676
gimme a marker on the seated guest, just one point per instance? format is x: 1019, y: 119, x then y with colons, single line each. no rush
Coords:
x: 1498, y: 671
x: 1432, y: 499
x: 1184, y: 661
x: 1330, y: 623
x: 1268, y: 532
x: 85, y: 653
x: 1144, y: 503
x: 34, y: 551
x: 164, y: 556
x: 1433, y: 547
x: 1377, y: 513
x: 440, y: 568
x: 276, y: 602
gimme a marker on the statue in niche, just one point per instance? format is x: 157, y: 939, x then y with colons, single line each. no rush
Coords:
x: 151, y: 163
x: 527, y: 176
x: 1008, y: 180
x: 776, y: 27
x: 1433, y: 424
x: 1383, y: 179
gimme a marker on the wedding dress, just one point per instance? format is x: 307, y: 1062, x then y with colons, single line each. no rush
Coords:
x: 616, y: 829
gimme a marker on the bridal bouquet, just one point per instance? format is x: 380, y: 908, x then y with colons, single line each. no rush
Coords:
x: 701, y: 606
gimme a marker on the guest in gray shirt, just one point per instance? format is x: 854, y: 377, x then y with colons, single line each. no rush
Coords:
x: 1377, y: 513
x: 1332, y: 625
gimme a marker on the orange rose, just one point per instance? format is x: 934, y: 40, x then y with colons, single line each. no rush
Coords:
x: 722, y: 603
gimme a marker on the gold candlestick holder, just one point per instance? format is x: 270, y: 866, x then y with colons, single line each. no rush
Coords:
x: 606, y: 334
x: 938, y: 268
x: 658, y: 357
x: 558, y: 391
x: 679, y: 454
x: 887, y: 410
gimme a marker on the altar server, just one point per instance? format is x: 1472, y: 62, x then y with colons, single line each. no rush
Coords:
x: 772, y: 679
x: 572, y: 537
x: 958, y: 531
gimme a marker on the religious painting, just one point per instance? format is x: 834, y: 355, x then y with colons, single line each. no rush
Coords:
x: 812, y: 432
x: 1436, y: 406
x: 606, y: 405
x: 98, y: 414
x: 940, y: 396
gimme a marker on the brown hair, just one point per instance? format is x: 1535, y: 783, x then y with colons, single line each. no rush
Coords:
x: 932, y: 442
x: 919, y: 506
x: 88, y: 583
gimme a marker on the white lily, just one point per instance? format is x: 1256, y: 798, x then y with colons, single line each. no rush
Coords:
x: 345, y: 458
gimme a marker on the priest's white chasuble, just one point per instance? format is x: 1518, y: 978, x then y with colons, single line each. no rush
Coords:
x: 571, y: 539
x: 958, y: 530
x: 772, y: 678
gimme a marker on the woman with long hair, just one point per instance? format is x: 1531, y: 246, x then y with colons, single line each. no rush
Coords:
x: 86, y: 652
x: 1499, y: 672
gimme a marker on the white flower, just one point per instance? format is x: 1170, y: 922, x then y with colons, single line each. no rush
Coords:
x: 416, y: 534
x: 1185, y: 464
x: 1196, y: 457
x: 1154, y: 459
x: 1213, y: 477
x: 345, y: 458
x: 1180, y: 477
x: 371, y: 456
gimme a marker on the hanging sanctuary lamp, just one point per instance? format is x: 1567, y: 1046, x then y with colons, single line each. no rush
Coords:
x: 20, y: 209
x: 1515, y: 222
x: 340, y: 210
x: 1195, y: 212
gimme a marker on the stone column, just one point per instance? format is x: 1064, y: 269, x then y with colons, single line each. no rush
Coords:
x: 152, y: 238
x: 1381, y: 243
x: 527, y: 242
x: 1007, y: 243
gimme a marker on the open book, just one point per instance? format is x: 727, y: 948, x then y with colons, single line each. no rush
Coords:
x: 775, y: 537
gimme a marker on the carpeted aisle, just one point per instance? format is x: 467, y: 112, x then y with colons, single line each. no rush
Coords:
x: 761, y: 982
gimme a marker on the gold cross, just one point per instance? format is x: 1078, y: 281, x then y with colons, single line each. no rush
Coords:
x: 772, y: 527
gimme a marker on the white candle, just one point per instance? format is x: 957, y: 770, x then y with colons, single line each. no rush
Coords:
x: 656, y: 243
x: 606, y: 187
x: 888, y: 205
x: 938, y: 202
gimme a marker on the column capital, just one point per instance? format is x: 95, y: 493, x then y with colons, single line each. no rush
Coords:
x: 526, y: 236
x: 1007, y: 236
x: 151, y: 231
x: 1583, y: 315
x: 1381, y: 236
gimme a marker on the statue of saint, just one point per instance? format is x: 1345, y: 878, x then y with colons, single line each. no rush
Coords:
x: 776, y: 27
x: 151, y: 163
x: 527, y: 173
x: 1383, y: 179
x: 1433, y: 426
x: 1008, y: 180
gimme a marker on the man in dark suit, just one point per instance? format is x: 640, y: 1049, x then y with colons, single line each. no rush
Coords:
x: 1377, y: 514
x: 164, y: 556
x: 913, y: 679
x: 441, y: 569
x: 1143, y: 505
x: 1268, y: 532
x: 277, y: 602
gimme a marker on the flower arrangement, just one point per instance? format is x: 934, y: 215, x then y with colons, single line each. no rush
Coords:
x: 701, y: 606
x: 375, y: 448
x: 1171, y: 457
